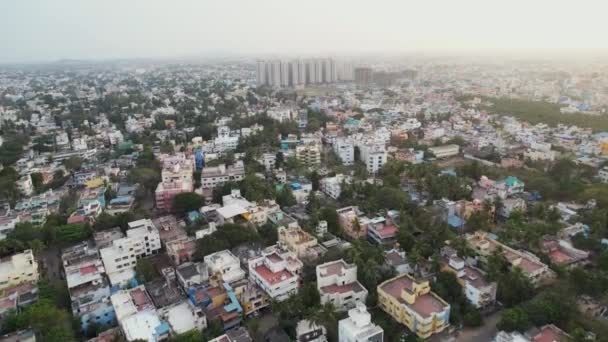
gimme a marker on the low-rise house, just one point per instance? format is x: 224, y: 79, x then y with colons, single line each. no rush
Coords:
x: 411, y: 302
x: 251, y: 296
x: 337, y: 284
x: 358, y: 327
x: 478, y: 291
x: 183, y: 316
x: 562, y: 253
x: 332, y: 186
x: 190, y: 274
x: 300, y: 242
x: 18, y: 268
x: 396, y: 259
x: 137, y: 316
x: 214, y: 176
x: 383, y: 234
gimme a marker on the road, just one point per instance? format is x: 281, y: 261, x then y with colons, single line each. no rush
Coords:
x: 482, y: 334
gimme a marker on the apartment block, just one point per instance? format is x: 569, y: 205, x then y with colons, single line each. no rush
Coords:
x: 276, y: 272
x: 410, y: 302
x: 337, y: 284
x: 348, y: 218
x: 345, y: 149
x: 121, y: 256
x: 309, y: 155
x: 212, y: 177
x: 332, y: 186
x: 87, y: 285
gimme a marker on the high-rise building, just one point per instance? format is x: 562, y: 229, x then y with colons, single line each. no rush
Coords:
x: 284, y: 73
x: 363, y: 76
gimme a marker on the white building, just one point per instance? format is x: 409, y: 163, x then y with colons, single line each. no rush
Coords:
x: 337, y: 284
x: 358, y: 327
x: 25, y: 185
x: 137, y: 317
x: 345, y: 150
x: 225, y: 141
x: 332, y: 186
x: 276, y: 272
x: 224, y: 266
x: 374, y: 156
x: 17, y: 269
x: 268, y: 160
x: 121, y: 257
x: 212, y: 177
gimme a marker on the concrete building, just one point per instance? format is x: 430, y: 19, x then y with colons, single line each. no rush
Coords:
x: 300, y: 242
x: 224, y: 267
x: 309, y: 155
x: 411, y: 303
x: 337, y: 284
x: 87, y: 285
x: 345, y: 149
x: 363, y: 76
x: 215, y: 176
x: 276, y: 273
x: 348, y: 218
x: 479, y: 292
x: 17, y: 269
x: 176, y: 178
x: 358, y: 327
x: 121, y: 256
x: 332, y: 186
x: 373, y: 155
x: 137, y: 316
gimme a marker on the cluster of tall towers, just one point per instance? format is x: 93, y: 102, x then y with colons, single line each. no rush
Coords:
x: 298, y: 72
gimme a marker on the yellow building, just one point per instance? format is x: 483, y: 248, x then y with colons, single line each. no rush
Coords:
x: 17, y: 269
x: 411, y: 303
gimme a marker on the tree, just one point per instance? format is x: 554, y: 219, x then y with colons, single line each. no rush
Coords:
x: 285, y: 197
x: 73, y: 163
x: 331, y: 216
x: 515, y: 319
x: 315, y: 178
x: 145, y: 270
x: 37, y: 181
x: 187, y: 201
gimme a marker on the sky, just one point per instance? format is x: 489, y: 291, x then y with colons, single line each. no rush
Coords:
x: 47, y: 30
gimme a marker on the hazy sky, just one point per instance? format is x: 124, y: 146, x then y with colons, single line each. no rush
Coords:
x: 36, y: 30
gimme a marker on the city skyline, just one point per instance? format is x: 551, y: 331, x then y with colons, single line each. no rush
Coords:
x: 68, y: 29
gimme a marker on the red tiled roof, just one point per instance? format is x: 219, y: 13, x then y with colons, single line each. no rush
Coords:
x: 272, y: 277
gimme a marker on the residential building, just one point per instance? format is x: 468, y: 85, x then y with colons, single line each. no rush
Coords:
x: 215, y: 176
x: 224, y: 267
x: 345, y: 149
x: 137, y: 316
x: 603, y: 174
x: 479, y: 292
x: 332, y: 186
x: 251, y: 296
x: 373, y: 155
x: 309, y: 155
x: 531, y: 266
x: 276, y: 273
x: 348, y: 218
x: 358, y: 327
x: 300, y: 242
x: 87, y: 285
x: 383, y: 234
x: 337, y: 284
x: 190, y: 274
x: 18, y: 268
x: 176, y: 178
x: 410, y: 302
x: 562, y: 253
x: 121, y: 256
x: 184, y: 316
x: 309, y: 331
